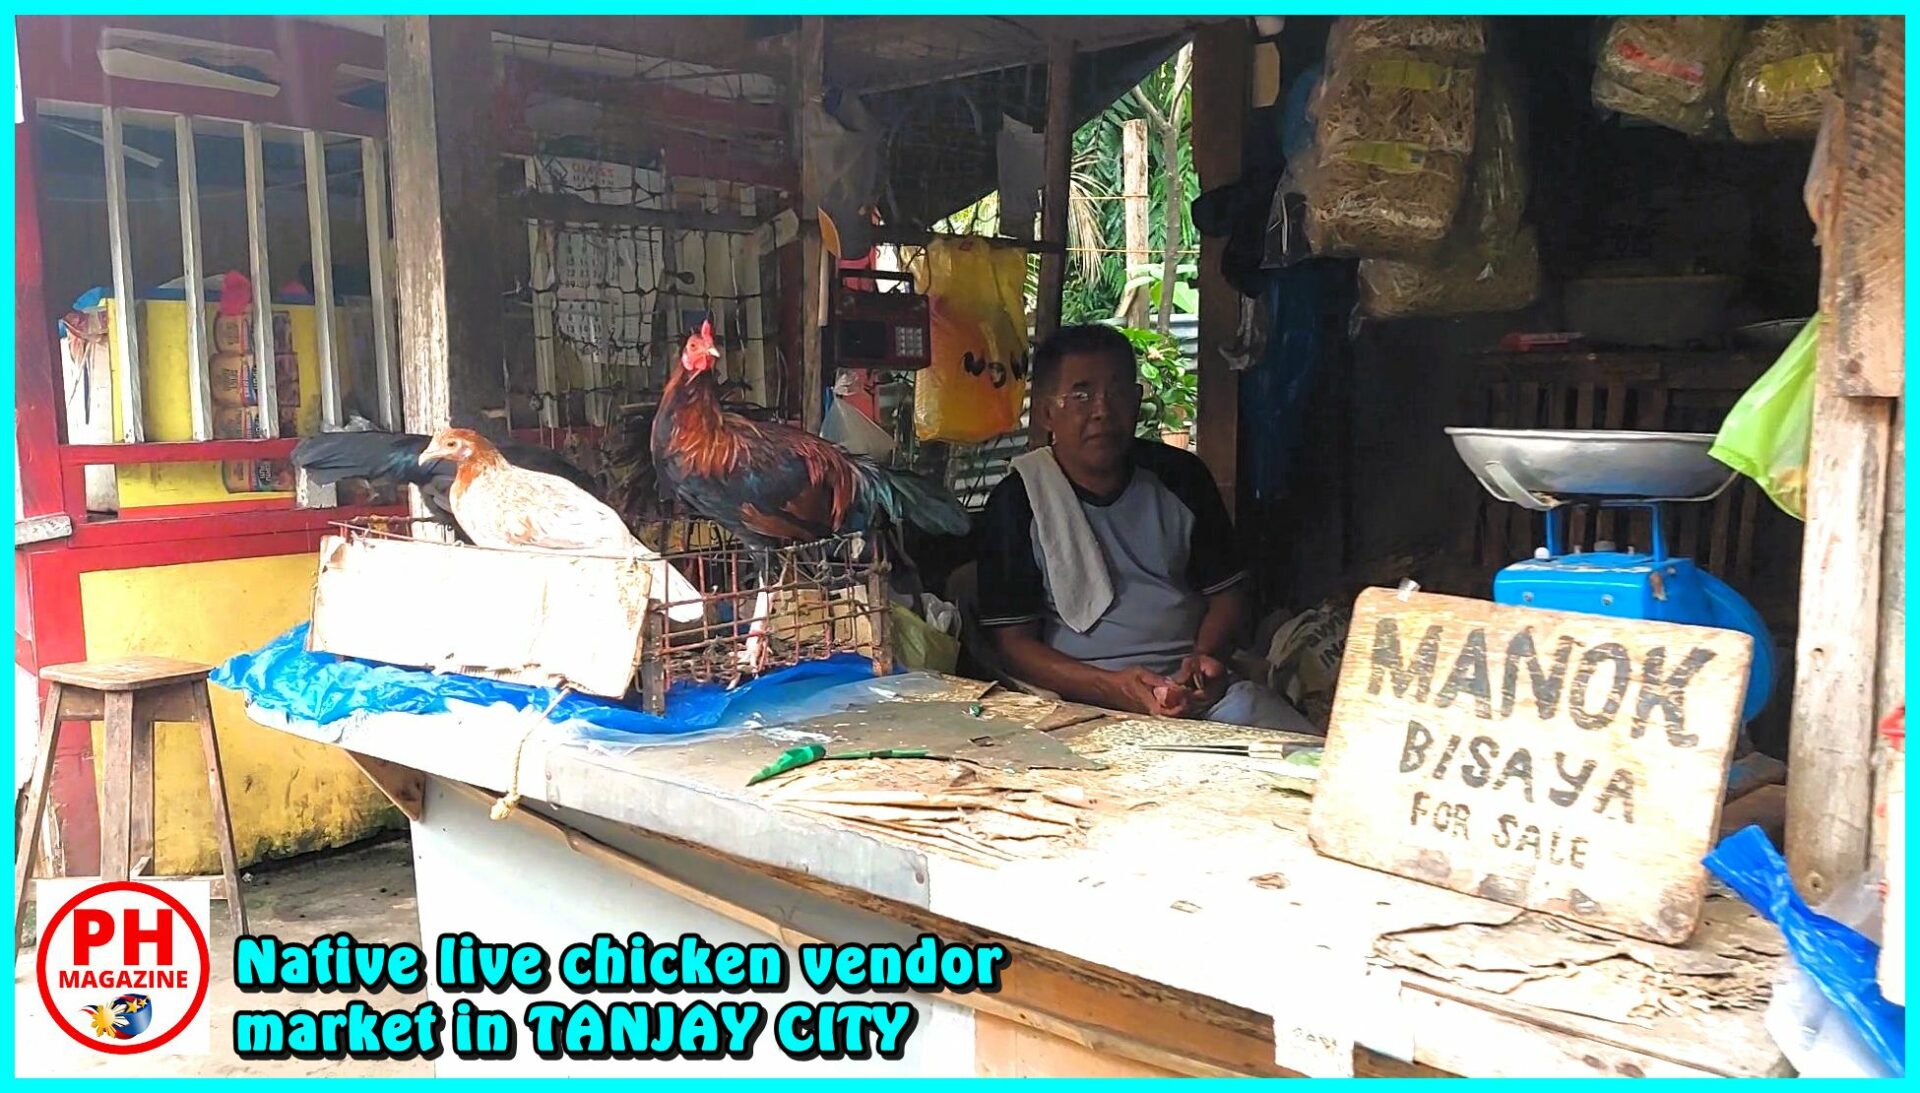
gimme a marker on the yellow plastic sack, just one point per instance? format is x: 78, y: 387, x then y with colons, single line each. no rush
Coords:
x: 977, y: 383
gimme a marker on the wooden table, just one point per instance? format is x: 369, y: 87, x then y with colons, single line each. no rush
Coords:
x: 1190, y: 928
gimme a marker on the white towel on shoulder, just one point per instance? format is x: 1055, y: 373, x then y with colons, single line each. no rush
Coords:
x: 1070, y: 556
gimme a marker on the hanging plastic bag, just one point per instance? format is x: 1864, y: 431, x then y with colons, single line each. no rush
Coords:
x: 977, y: 384
x: 1766, y: 434
x: 1783, y: 79
x: 1836, y: 957
x: 919, y: 646
x: 1667, y: 69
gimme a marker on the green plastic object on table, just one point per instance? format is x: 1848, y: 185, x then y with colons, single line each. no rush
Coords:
x: 795, y: 758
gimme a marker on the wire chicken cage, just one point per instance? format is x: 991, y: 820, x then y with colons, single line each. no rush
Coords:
x: 822, y: 599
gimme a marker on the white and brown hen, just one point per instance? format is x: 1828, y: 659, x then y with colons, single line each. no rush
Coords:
x: 503, y: 506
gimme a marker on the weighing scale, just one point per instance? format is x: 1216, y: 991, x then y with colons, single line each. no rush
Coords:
x: 1555, y: 471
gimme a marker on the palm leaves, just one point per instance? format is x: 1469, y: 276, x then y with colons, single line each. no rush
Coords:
x: 1096, y: 213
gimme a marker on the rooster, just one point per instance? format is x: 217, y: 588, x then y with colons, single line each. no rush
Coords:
x: 395, y: 458
x: 506, y: 507
x: 772, y: 485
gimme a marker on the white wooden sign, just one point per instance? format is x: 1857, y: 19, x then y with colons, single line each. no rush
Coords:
x: 1569, y: 763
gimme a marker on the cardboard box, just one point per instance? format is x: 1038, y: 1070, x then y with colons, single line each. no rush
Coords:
x: 528, y: 617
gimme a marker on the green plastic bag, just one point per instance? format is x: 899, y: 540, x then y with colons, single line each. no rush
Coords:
x: 918, y: 646
x: 1766, y: 434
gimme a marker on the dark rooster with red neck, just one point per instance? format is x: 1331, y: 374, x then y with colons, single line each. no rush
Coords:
x: 772, y: 485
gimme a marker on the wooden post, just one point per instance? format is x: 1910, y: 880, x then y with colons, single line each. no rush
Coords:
x: 1222, y: 60
x: 1829, y: 797
x: 1133, y: 174
x: 1055, y: 195
x: 809, y: 60
x: 1176, y: 199
x: 440, y: 76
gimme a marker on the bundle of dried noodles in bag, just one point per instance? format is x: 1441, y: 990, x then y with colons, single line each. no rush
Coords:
x: 1394, y: 122
x: 1667, y: 69
x: 1782, y: 79
x: 1452, y: 35
x: 1461, y: 279
x: 1382, y: 198
x: 1398, y: 95
x: 1497, y: 183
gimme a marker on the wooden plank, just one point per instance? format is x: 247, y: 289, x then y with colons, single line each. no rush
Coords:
x: 1474, y: 747
x: 1056, y: 188
x: 1836, y: 669
x: 260, y: 273
x: 555, y: 208
x: 313, y: 146
x: 1457, y: 1036
x: 199, y: 389
x: 545, y: 618
x: 42, y: 529
x: 1224, y: 53
x: 1866, y: 296
x: 140, y: 800
x: 404, y: 786
x: 116, y: 802
x: 1006, y: 1049
x: 809, y: 58
x: 1133, y: 175
x: 126, y: 332
x: 1893, y: 943
x: 373, y: 180
x: 134, y: 673
x: 445, y: 220
x: 1006, y: 1003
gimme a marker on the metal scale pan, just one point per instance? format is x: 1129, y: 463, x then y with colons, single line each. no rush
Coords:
x: 1541, y: 469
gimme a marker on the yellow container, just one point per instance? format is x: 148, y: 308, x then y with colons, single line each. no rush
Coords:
x: 166, y: 401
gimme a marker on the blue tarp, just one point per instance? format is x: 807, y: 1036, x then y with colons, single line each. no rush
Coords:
x: 1841, y: 962
x: 320, y: 688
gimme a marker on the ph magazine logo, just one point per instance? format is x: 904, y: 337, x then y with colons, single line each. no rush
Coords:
x: 122, y: 966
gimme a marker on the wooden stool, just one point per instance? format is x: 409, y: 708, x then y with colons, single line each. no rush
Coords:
x: 129, y: 695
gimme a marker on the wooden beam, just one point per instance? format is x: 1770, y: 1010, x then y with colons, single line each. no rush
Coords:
x: 568, y: 209
x: 1073, y: 1027
x: 1133, y: 185
x: 809, y: 59
x: 404, y: 786
x: 41, y: 529
x: 1868, y: 300
x: 445, y: 219
x: 1057, y: 189
x: 39, y: 420
x: 1829, y: 797
x: 1222, y: 62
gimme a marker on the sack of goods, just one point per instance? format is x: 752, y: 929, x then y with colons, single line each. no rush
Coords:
x: 1460, y: 280
x: 1395, y: 118
x: 1783, y: 79
x: 1490, y: 262
x: 1667, y: 69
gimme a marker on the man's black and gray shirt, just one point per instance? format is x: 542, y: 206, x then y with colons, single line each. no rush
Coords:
x: 1168, y: 543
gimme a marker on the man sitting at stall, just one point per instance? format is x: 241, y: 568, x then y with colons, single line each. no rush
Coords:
x: 1108, y: 572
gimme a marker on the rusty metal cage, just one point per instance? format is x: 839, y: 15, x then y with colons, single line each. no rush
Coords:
x: 823, y: 598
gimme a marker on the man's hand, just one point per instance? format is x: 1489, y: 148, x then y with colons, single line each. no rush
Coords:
x: 1140, y: 691
x: 1204, y: 679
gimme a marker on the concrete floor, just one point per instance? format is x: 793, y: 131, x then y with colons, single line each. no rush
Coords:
x: 366, y: 891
